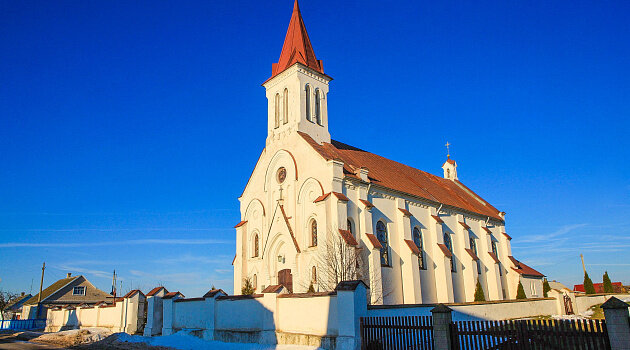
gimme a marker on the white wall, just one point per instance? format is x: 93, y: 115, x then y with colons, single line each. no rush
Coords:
x: 584, y: 302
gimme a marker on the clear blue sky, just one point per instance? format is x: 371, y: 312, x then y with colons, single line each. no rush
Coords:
x: 129, y: 129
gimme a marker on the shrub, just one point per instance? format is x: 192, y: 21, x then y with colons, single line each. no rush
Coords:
x: 248, y: 287
x: 479, y: 296
x: 546, y: 288
x: 588, y: 284
x: 608, y: 287
x: 520, y: 293
x: 311, y: 289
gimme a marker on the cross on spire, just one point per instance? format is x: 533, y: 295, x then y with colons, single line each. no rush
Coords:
x: 448, y: 150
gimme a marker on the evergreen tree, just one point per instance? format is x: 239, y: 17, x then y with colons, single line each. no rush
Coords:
x: 248, y: 287
x: 479, y: 296
x: 311, y: 289
x: 588, y: 284
x: 520, y: 293
x: 546, y: 288
x: 608, y: 287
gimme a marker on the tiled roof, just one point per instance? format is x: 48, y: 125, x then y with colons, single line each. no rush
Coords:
x: 17, y: 302
x: 494, y: 257
x: 321, y: 198
x: 375, y: 242
x: 599, y: 287
x: 132, y: 293
x: 524, y: 269
x: 445, y: 250
x: 155, y: 290
x: 507, y: 236
x: 240, y: 224
x: 472, y: 254
x: 297, y: 47
x: 274, y: 288
x: 405, y: 212
x: 172, y: 295
x: 438, y: 219
x: 367, y: 203
x: 399, y: 177
x: 51, y: 289
x: 212, y: 292
x: 348, y: 237
x: 340, y: 196
x: 485, y: 228
x: 464, y: 225
x: 412, y: 245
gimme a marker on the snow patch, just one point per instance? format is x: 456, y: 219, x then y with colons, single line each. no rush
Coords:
x: 183, y: 340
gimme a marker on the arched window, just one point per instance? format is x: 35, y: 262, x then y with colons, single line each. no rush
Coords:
x: 448, y: 173
x: 256, y: 245
x: 277, y: 110
x: 494, y: 249
x: 285, y: 111
x: 313, y: 233
x: 350, y: 227
x: 314, y: 274
x: 449, y: 244
x: 381, y: 234
x: 473, y: 247
x: 417, y: 239
x: 307, y: 92
x: 318, y: 107
x: 255, y: 281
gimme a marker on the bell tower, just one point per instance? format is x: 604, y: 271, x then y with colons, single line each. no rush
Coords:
x: 297, y: 91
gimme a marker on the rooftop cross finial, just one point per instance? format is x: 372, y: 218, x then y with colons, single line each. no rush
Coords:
x: 448, y: 150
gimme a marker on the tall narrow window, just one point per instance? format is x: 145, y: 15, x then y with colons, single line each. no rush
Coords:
x: 314, y: 274
x: 494, y: 249
x: 307, y: 92
x: 473, y: 247
x: 313, y: 233
x: 318, y: 107
x: 449, y: 245
x: 255, y: 281
x: 381, y: 234
x: 256, y: 246
x: 277, y: 111
x: 349, y: 225
x: 417, y: 239
x: 285, y: 111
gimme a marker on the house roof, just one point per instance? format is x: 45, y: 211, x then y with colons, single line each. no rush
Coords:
x: 297, y: 47
x: 599, y: 287
x: 403, y: 178
x: 50, y: 290
x: 172, y: 295
x: 155, y: 290
x: 524, y: 269
x: 16, y: 303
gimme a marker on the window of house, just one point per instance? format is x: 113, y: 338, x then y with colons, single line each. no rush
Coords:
x: 285, y: 111
x: 80, y: 290
x: 256, y: 245
x: 449, y: 244
x: 314, y: 275
x: 318, y: 106
x: 307, y: 91
x: 417, y: 239
x: 350, y: 228
x: 277, y: 111
x: 313, y: 233
x: 381, y: 234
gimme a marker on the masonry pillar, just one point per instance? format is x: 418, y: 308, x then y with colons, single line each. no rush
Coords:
x: 442, y: 319
x: 167, y: 317
x: 209, y: 309
x: 268, y: 321
x: 351, y: 306
x: 616, y: 314
x: 443, y: 275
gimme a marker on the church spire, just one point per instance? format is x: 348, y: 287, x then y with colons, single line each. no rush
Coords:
x: 297, y: 46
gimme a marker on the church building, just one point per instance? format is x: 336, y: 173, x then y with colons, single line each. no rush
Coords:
x: 315, y: 209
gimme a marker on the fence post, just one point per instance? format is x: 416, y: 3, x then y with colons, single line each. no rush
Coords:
x: 617, y: 324
x: 442, y: 319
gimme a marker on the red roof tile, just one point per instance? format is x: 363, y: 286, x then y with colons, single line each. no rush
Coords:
x: 445, y: 250
x: 405, y: 212
x: 155, y: 290
x: 524, y: 269
x: 341, y: 196
x: 274, y: 288
x: 172, y: 295
x: 472, y: 254
x: 297, y: 47
x: 132, y: 293
x: 414, y: 248
x: 599, y: 287
x: 438, y: 219
x: 240, y: 224
x: 494, y: 257
x: 465, y: 225
x: 375, y: 242
x: 507, y: 236
x: 321, y: 198
x: 397, y: 176
x: 368, y: 204
x: 348, y: 237
x: 486, y: 229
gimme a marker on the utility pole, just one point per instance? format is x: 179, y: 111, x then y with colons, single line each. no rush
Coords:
x: 114, y: 285
x: 41, y: 286
x: 583, y: 266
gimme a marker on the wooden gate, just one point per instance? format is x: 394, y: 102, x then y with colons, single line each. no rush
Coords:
x: 530, y: 335
x: 286, y: 279
x: 404, y: 332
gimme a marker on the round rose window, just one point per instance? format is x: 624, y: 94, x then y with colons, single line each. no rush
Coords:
x: 282, y: 175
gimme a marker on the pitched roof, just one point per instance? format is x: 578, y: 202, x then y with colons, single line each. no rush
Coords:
x: 348, y: 237
x: 155, y: 290
x: 297, y: 47
x: 403, y: 178
x: 274, y: 288
x: 16, y: 303
x: 172, y: 295
x: 524, y: 269
x: 445, y: 250
x: 51, y: 290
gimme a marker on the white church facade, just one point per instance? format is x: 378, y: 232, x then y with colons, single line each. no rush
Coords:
x: 416, y: 237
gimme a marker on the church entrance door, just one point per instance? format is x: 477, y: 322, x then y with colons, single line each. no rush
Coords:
x: 286, y: 279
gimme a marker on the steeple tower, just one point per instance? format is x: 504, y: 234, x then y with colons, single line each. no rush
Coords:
x: 297, y: 90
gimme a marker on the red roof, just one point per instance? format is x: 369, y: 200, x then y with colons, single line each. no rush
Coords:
x: 375, y: 242
x: 414, y: 248
x: 368, y: 204
x: 348, y: 237
x: 155, y: 290
x: 524, y: 269
x: 172, y: 295
x: 405, y: 212
x: 438, y: 219
x: 464, y: 225
x: 399, y: 177
x: 297, y: 47
x: 240, y: 224
x: 507, y: 236
x: 341, y: 196
x: 472, y: 254
x: 486, y: 229
x: 321, y: 198
x: 445, y: 250
x: 599, y: 287
x: 494, y: 257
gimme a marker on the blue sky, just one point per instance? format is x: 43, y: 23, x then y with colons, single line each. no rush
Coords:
x: 128, y: 130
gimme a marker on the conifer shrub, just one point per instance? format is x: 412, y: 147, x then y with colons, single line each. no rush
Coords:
x: 248, y: 287
x: 520, y: 292
x: 479, y: 296
x: 608, y: 287
x: 311, y: 289
x: 588, y: 284
x: 546, y: 288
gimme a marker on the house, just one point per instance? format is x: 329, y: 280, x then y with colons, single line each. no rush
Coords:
x: 411, y: 236
x: 69, y: 291
x: 14, y: 308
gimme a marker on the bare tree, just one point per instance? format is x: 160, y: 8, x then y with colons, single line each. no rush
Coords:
x: 5, y: 299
